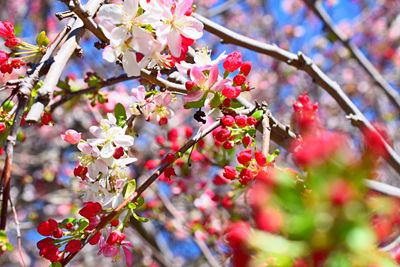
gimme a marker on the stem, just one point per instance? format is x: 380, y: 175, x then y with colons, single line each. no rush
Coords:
x: 134, y: 196
x: 266, y: 134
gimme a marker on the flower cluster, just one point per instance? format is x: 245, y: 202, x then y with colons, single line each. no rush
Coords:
x: 153, y: 105
x: 103, y: 164
x: 305, y: 112
x: 204, y: 80
x: 148, y: 33
x: 7, y: 62
x: 66, y: 236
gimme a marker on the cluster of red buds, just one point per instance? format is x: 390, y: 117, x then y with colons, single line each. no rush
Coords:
x: 249, y: 166
x: 305, y: 113
x: 235, y: 130
x: 232, y: 63
x: 68, y: 233
x: 7, y: 63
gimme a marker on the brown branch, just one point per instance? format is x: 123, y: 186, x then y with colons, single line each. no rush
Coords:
x: 266, y: 134
x: 305, y: 64
x: 18, y: 229
x: 24, y: 91
x: 133, y: 197
x: 64, y: 54
x: 317, y: 8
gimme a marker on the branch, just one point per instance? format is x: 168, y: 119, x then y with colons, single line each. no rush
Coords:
x: 305, y: 64
x: 24, y: 88
x: 60, y: 60
x: 317, y: 8
x: 266, y: 133
x: 133, y: 197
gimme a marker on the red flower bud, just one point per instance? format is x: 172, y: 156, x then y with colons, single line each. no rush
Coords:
x: 244, y: 157
x: 239, y: 79
x: 73, y: 246
x: 245, y: 68
x: 233, y: 61
x: 230, y: 172
x: 119, y: 152
x: 241, y: 120
x: 227, y: 120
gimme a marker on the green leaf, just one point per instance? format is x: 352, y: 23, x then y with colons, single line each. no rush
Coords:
x: 216, y: 101
x: 138, y: 218
x: 129, y: 188
x: 140, y: 201
x: 258, y: 114
x: 42, y: 39
x: 55, y: 264
x: 120, y: 114
x: 8, y: 105
x: 196, y: 104
x: 83, y: 223
x: 132, y: 206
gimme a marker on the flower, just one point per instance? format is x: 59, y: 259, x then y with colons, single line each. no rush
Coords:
x: 112, y: 249
x: 177, y: 24
x: 71, y: 136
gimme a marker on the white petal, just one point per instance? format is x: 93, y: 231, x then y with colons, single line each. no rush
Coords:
x: 107, y: 150
x: 131, y: 7
x: 123, y: 140
x: 192, y: 28
x: 118, y: 36
x: 130, y: 65
x: 109, y: 55
x: 174, y: 43
x: 111, y: 12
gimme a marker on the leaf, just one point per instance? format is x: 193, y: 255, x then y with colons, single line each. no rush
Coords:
x: 138, y: 218
x: 216, y: 101
x: 83, y: 223
x: 140, y: 201
x: 129, y: 189
x: 197, y: 104
x: 258, y: 114
x: 120, y: 114
x: 42, y: 39
x: 132, y: 206
x: 55, y: 264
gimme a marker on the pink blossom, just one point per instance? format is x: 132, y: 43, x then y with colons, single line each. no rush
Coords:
x: 71, y: 136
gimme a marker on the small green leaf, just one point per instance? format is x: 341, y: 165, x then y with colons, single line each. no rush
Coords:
x: 129, y: 188
x: 140, y: 201
x: 55, y: 264
x: 8, y: 105
x: 197, y: 104
x: 258, y: 114
x: 138, y: 218
x: 68, y: 220
x: 120, y: 114
x: 42, y: 39
x: 83, y: 223
x: 216, y: 101
x: 132, y: 206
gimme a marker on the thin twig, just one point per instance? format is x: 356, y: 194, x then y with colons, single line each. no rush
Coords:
x: 305, y: 64
x: 317, y: 8
x: 18, y: 228
x: 133, y: 197
x: 266, y: 134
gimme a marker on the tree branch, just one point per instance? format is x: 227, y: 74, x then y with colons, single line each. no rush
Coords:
x: 305, y: 64
x: 317, y: 8
x: 133, y: 197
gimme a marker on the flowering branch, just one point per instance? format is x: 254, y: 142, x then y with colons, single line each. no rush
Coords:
x: 317, y: 8
x: 305, y: 64
x: 147, y: 183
